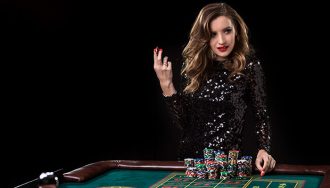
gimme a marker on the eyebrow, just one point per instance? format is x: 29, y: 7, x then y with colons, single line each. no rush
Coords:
x: 224, y: 29
x: 229, y: 27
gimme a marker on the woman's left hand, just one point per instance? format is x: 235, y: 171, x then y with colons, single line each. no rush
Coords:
x: 265, y: 162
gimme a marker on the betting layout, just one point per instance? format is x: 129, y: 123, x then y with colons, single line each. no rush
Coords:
x: 217, y: 169
x: 180, y: 180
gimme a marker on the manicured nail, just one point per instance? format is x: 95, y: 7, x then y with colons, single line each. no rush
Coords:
x: 262, y: 173
x: 156, y: 49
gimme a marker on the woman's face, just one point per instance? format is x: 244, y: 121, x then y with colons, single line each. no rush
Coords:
x: 223, y: 37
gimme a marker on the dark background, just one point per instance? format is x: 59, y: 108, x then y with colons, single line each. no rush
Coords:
x: 78, y: 84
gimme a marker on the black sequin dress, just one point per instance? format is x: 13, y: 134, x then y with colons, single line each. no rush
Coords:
x: 214, y: 115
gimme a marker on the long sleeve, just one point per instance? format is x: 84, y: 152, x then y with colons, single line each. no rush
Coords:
x: 257, y: 91
x: 177, y: 107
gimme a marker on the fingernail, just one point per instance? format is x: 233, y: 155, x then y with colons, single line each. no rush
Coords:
x: 156, y: 49
x: 262, y: 173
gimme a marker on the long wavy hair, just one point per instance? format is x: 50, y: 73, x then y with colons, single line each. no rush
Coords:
x: 197, y: 54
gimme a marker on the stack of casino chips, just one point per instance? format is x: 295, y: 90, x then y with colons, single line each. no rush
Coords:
x: 191, y: 169
x: 221, y: 160
x: 195, y: 168
x: 216, y: 164
x: 191, y: 172
x: 244, y: 166
x: 211, y: 165
x: 208, y: 154
x: 232, y: 162
x: 212, y: 169
x: 189, y: 162
x: 201, y: 168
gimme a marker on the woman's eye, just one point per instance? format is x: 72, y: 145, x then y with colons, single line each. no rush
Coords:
x: 228, y: 30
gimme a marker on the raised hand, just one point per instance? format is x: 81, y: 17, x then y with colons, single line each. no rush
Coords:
x: 163, y: 69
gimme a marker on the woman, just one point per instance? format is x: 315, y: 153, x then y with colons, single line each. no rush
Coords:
x: 222, y: 76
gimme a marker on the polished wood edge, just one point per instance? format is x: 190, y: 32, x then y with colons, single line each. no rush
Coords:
x: 91, y: 170
x: 94, y: 169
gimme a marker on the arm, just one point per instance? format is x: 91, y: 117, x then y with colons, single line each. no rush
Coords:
x: 174, y: 101
x: 264, y: 160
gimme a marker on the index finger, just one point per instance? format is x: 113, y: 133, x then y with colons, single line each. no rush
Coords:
x: 158, y: 56
x: 258, y: 164
x: 266, y: 164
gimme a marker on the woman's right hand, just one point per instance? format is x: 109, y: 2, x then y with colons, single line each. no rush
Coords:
x: 163, y: 69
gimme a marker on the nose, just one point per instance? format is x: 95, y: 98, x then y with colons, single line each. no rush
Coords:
x: 221, y: 39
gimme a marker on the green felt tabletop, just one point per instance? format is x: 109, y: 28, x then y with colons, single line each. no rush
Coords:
x: 122, y: 178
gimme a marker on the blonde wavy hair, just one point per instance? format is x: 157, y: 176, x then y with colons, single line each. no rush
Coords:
x: 197, y: 54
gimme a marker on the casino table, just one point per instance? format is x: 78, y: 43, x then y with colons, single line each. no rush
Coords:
x: 170, y: 174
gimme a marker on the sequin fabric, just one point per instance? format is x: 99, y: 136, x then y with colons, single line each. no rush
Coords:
x: 214, y: 115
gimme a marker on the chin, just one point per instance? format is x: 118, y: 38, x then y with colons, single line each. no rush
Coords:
x: 223, y: 56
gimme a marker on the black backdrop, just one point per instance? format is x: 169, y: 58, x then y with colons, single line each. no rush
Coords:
x: 78, y: 84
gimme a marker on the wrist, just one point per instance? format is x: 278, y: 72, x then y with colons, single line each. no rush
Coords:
x: 169, y: 95
x: 168, y: 89
x: 166, y: 84
x: 262, y: 151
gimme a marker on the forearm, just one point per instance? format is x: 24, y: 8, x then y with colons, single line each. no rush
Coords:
x: 177, y: 105
x: 258, y: 94
x: 264, y: 135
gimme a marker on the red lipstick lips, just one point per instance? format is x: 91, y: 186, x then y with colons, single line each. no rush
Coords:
x: 223, y: 48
